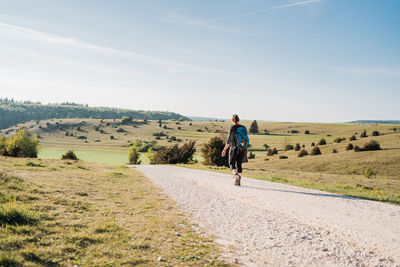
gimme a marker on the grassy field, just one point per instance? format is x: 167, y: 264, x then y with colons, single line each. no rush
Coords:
x: 65, y: 213
x: 373, y: 174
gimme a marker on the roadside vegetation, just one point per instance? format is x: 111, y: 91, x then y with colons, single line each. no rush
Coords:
x: 67, y: 213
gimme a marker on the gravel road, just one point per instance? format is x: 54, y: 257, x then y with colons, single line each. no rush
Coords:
x: 270, y: 224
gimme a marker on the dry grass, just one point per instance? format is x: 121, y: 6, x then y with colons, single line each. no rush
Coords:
x: 65, y: 213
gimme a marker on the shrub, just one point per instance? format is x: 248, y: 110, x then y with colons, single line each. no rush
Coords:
x: 349, y: 147
x: 297, y: 147
x: 357, y: 149
x: 394, y: 130
x: 339, y: 139
x: 322, y: 142
x: 82, y: 137
x: 254, y: 127
x: 159, y: 134
x: 312, y: 144
x: 283, y: 157
x: 371, y: 145
x: 306, y: 132
x: 266, y: 146
x: 302, y: 153
x: 353, y: 138
x: 272, y: 152
x: 174, y: 154
x: 179, y: 128
x: 369, y: 172
x: 120, y: 130
x: 289, y: 147
x: 133, y: 156
x: 190, y: 124
x: 303, y: 145
x: 66, y: 133
x: 112, y: 137
x: 127, y: 119
x: 158, y: 138
x: 211, y: 152
x: 21, y: 144
x: 165, y: 126
x: 363, y: 134
x: 376, y: 133
x: 334, y: 150
x: 69, y: 155
x: 315, y: 151
x: 251, y: 155
x: 78, y: 129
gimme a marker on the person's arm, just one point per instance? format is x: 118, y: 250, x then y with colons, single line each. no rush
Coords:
x: 224, y: 151
x: 227, y: 142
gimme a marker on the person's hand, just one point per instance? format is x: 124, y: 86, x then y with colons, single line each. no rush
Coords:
x: 223, y: 153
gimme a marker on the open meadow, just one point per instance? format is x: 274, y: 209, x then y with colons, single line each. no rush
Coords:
x: 369, y: 174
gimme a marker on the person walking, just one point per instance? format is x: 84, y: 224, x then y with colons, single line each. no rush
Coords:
x: 238, y: 142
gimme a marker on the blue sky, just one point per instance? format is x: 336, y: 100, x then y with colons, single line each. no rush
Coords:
x: 282, y: 60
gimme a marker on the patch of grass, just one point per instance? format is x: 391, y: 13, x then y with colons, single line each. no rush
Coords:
x: 12, y: 213
x: 8, y: 259
x: 33, y: 164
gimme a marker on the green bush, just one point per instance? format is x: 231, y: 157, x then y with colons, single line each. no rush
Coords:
x: 315, y: 151
x: 297, y: 147
x: 312, y: 144
x: 283, y: 157
x: 134, y: 156
x: 120, y: 130
x: 369, y: 172
x: 112, y: 137
x: 127, y: 119
x: 272, y: 152
x: 289, y: 147
x: 334, y: 150
x: 306, y: 132
x: 322, y: 142
x: 211, y: 152
x: 353, y: 138
x: 371, y: 145
x: 69, y: 155
x: 82, y: 137
x: 266, y: 146
x: 376, y: 133
x: 174, y: 154
x: 349, y: 147
x: 21, y: 144
x: 357, y: 149
x: 159, y: 134
x: 363, y: 134
x: 339, y: 139
x: 302, y: 153
x: 251, y: 155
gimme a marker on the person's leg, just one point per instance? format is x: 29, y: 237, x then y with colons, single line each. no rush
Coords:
x: 240, y: 157
x: 232, y: 160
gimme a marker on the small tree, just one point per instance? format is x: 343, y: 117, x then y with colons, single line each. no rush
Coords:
x: 297, y: 147
x: 134, y: 156
x: 211, y: 152
x: 376, y: 133
x: 306, y: 132
x: 21, y: 144
x: 353, y: 138
x: 266, y: 146
x: 272, y: 152
x: 371, y: 145
x: 334, y: 150
x: 251, y: 155
x: 315, y: 151
x: 312, y: 144
x: 254, y: 127
x: 289, y: 147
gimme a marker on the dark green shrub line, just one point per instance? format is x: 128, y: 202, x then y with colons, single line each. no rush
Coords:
x: 174, y: 154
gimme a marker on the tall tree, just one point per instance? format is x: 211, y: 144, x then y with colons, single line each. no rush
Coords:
x: 254, y: 127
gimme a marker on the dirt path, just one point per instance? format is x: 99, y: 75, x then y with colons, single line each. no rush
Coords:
x: 264, y: 223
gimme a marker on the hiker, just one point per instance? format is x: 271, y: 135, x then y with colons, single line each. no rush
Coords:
x: 237, y: 142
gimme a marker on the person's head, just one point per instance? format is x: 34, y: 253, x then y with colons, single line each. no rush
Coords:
x: 235, y: 118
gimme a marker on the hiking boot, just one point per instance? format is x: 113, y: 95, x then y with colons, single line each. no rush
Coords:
x: 237, y: 180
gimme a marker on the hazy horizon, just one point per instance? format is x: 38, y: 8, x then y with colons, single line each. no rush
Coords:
x: 277, y: 60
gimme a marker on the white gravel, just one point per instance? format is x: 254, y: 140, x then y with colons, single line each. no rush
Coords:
x: 263, y: 223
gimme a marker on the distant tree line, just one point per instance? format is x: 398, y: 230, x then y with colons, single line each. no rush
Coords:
x: 14, y: 112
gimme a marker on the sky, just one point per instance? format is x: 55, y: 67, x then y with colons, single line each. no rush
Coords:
x: 277, y: 60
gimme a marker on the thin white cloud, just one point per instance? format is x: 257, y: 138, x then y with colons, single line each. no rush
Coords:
x: 366, y: 71
x: 57, y: 40
x: 300, y: 3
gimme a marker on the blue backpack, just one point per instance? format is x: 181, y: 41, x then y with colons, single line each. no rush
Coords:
x: 241, y: 137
